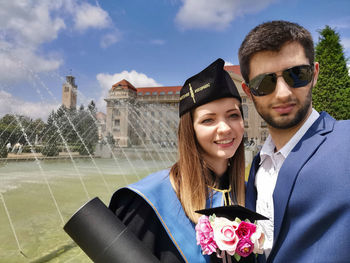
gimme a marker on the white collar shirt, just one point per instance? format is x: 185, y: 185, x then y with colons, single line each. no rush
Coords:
x: 266, y: 177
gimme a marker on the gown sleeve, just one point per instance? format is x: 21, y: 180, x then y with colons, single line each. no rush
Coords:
x: 139, y: 217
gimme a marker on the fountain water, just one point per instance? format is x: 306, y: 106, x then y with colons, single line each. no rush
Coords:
x: 38, y: 196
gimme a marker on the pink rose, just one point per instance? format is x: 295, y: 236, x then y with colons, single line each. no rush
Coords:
x: 244, y: 247
x: 225, y: 234
x: 205, y: 236
x: 258, y: 239
x: 245, y: 229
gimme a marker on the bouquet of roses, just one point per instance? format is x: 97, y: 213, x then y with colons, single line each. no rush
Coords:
x: 237, y: 238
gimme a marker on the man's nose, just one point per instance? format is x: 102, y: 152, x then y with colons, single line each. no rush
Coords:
x: 282, y: 90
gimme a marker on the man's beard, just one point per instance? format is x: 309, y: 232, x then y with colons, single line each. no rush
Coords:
x: 299, y: 116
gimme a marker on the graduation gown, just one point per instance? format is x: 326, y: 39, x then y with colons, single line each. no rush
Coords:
x: 152, y: 211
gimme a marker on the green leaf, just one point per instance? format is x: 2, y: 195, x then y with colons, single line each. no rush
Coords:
x: 212, y: 218
x: 237, y: 257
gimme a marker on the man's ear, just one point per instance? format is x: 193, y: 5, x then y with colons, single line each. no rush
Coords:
x: 316, y: 71
x: 246, y: 90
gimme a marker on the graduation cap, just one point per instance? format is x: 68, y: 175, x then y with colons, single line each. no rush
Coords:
x: 231, y: 212
x: 210, y: 84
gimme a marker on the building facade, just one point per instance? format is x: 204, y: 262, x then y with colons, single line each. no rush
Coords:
x: 137, y: 116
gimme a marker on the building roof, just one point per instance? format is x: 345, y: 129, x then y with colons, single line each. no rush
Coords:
x: 233, y: 68
x: 100, y: 116
x: 123, y: 84
x: 173, y: 89
x: 164, y: 89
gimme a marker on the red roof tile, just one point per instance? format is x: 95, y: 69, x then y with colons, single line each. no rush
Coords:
x: 124, y: 84
x: 159, y: 89
x: 127, y: 85
x: 234, y: 68
x: 100, y: 116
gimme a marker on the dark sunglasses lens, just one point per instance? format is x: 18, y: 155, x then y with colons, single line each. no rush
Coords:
x: 295, y: 77
x: 298, y: 76
x: 263, y: 84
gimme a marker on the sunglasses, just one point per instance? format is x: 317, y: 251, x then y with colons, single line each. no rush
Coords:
x: 295, y: 77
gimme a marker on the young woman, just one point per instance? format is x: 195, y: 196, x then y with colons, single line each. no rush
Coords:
x: 160, y: 209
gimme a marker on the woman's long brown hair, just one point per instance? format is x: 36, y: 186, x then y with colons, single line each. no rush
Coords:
x: 191, y: 176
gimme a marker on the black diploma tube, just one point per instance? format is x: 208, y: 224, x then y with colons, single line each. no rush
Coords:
x: 103, y: 237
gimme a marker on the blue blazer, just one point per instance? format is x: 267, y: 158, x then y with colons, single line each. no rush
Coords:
x: 311, y: 197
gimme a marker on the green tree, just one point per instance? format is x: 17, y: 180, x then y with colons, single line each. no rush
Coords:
x: 87, y: 129
x: 9, y: 129
x: 3, y: 149
x: 332, y: 92
x: 50, y: 136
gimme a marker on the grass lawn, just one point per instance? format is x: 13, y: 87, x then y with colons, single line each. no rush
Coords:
x: 36, y: 220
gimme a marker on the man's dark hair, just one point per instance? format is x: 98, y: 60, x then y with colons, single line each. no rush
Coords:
x: 271, y: 36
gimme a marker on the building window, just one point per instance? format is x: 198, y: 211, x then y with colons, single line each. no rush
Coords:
x: 245, y: 111
x: 177, y: 92
x: 170, y: 93
x: 154, y: 93
x: 147, y: 93
x: 140, y: 93
x: 244, y: 100
x: 264, y: 135
x: 162, y: 93
x: 116, y: 125
x: 263, y: 124
x: 246, y: 125
x: 66, y: 89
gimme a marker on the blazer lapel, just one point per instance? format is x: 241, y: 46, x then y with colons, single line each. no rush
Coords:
x: 294, y: 163
x: 251, y: 194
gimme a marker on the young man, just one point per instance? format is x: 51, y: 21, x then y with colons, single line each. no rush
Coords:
x: 301, y: 177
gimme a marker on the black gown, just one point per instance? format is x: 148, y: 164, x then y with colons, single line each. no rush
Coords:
x: 140, y: 218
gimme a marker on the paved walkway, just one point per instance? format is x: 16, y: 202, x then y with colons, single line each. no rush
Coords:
x: 32, y: 156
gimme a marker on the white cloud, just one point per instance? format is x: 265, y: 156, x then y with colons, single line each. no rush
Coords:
x: 12, y: 105
x: 19, y: 63
x: 216, y: 14
x: 110, y: 39
x: 26, y: 25
x: 106, y: 82
x: 89, y: 16
x: 228, y: 63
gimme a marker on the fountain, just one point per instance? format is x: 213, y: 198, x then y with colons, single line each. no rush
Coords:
x: 39, y: 193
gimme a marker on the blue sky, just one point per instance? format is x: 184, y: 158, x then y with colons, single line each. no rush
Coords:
x: 149, y: 43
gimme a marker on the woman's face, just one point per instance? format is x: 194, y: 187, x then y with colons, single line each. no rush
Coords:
x: 219, y: 129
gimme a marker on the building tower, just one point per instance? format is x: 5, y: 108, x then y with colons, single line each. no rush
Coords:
x: 120, y: 105
x: 69, y: 93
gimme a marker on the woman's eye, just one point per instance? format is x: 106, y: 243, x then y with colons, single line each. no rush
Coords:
x: 234, y: 115
x: 207, y: 121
